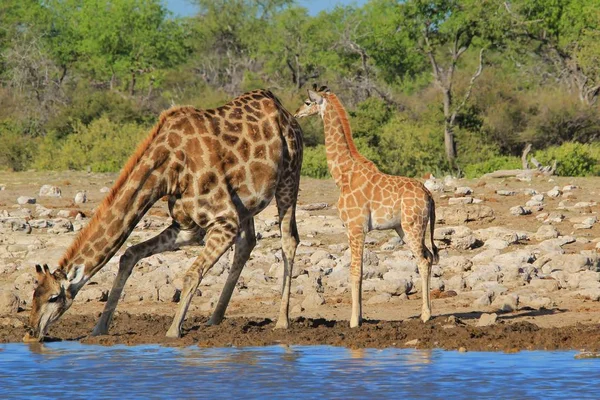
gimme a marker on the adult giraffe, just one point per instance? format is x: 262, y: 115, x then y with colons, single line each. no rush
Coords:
x: 219, y: 168
x: 370, y: 199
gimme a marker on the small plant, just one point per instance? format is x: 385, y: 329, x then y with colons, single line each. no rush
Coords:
x: 314, y: 163
x: 573, y: 159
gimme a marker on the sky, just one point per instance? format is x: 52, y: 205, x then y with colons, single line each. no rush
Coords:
x: 184, y: 8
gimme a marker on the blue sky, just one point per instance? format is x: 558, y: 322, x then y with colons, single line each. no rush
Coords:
x: 183, y: 7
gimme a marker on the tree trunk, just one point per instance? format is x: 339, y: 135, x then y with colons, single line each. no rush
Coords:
x: 132, y: 88
x: 450, y: 145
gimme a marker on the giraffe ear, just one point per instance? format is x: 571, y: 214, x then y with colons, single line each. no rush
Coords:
x: 315, y: 97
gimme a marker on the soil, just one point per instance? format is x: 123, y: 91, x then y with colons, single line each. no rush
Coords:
x: 572, y: 324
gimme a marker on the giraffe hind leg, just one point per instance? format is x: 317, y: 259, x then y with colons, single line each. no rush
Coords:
x: 415, y: 238
x: 245, y: 242
x: 289, y: 243
x: 218, y: 239
x: 169, y: 239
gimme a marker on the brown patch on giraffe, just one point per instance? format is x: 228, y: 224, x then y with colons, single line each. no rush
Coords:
x: 230, y: 140
x: 233, y: 126
x: 267, y: 131
x: 215, y: 125
x: 260, y: 151
x: 245, y: 148
x: 261, y: 173
x: 229, y: 160
x: 207, y: 182
x: 236, y: 176
x: 174, y: 140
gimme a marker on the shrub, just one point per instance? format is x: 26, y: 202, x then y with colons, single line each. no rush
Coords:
x: 102, y: 145
x: 493, y: 164
x: 315, y: 162
x: 573, y: 159
x: 16, y: 149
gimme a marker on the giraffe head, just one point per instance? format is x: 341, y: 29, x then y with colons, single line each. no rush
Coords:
x: 53, y: 296
x: 315, y: 104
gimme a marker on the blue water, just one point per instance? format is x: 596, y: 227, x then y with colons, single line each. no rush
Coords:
x: 74, y: 370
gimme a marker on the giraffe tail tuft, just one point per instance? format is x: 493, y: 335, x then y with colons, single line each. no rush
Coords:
x: 435, y: 255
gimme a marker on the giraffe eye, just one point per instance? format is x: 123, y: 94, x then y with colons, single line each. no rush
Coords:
x: 53, y: 298
x: 307, y: 103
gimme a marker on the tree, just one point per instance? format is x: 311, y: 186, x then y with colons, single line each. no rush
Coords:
x: 566, y: 34
x: 443, y: 31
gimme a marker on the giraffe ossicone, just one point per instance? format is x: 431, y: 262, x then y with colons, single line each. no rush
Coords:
x: 371, y: 200
x: 219, y: 168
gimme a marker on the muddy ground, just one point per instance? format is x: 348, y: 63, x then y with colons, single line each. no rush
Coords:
x: 571, y: 323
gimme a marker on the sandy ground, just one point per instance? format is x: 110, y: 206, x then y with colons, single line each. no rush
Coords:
x: 572, y: 323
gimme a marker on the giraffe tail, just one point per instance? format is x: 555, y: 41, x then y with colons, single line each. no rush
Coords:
x: 435, y: 251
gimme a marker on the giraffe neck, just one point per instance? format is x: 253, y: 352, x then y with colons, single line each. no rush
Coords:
x: 341, y: 150
x: 141, y: 183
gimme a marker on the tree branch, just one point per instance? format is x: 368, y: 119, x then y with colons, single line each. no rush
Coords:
x: 471, y: 83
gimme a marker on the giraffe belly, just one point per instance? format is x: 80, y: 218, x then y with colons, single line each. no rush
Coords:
x: 384, y: 219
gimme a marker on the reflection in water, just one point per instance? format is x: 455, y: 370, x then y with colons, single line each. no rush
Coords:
x: 287, y: 371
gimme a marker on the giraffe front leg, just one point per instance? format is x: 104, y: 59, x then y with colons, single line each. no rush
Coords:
x: 356, y: 240
x: 244, y: 244
x: 218, y: 239
x: 425, y: 272
x: 169, y: 239
x: 289, y: 243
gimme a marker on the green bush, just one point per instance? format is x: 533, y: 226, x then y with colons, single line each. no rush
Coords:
x: 16, y: 149
x: 573, y: 159
x: 103, y: 145
x: 315, y: 162
x: 493, y: 164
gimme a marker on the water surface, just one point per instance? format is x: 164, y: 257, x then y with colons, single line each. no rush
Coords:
x: 74, y: 370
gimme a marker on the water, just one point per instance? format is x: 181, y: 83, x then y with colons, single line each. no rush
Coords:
x: 74, y: 370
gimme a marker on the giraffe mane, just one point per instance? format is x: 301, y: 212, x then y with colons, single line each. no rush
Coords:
x: 110, y: 197
x: 343, y: 115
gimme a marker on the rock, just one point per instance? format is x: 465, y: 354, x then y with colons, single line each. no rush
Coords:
x: 506, y: 303
x: 535, y: 302
x: 61, y: 225
x: 463, y: 190
x: 547, y: 285
x: 554, y: 218
x: 413, y: 342
x: 25, y: 200
x: 591, y: 294
x: 487, y: 319
x: 483, y: 301
x: 49, y: 191
x: 585, y: 204
x: 555, y: 245
x: 314, y: 206
x: 461, y: 214
x: 497, y: 244
x: 434, y: 185
x: 485, y: 256
x: 80, y: 198
x: 554, y: 192
x: 569, y: 188
x: 313, y: 300
x: 92, y: 294
x: 394, y: 287
x: 460, y: 200
x: 318, y: 256
x: 534, y: 203
x: 517, y: 257
x: 519, y: 210
x: 379, y: 298
x: 456, y: 283
x: 483, y: 273
x: 505, y: 192
x: 9, y: 302
x: 546, y: 232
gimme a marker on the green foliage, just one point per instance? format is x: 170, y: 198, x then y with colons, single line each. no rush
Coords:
x: 16, y: 150
x: 573, y: 159
x: 491, y: 165
x: 411, y: 148
x: 314, y: 163
x: 104, y: 146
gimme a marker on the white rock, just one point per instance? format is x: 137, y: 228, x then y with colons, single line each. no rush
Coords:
x: 25, y: 200
x: 506, y: 192
x: 497, y: 244
x: 460, y: 200
x: 463, y: 190
x: 520, y: 210
x: 9, y: 302
x: 80, y: 198
x: 104, y: 189
x: 379, y: 298
x: 313, y: 300
x: 546, y: 232
x: 506, y: 303
x: 487, y: 319
x: 569, y: 188
x: 434, y: 185
x: 555, y: 192
x: 49, y: 191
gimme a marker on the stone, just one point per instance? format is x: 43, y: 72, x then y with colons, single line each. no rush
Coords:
x: 61, y: 225
x: 485, y: 256
x: 80, y: 198
x: 456, y: 264
x: 314, y: 206
x: 104, y: 189
x: 9, y: 302
x: 519, y: 210
x: 506, y: 303
x: 535, y: 301
x: 487, y: 319
x: 379, y: 298
x: 506, y: 192
x: 534, y: 203
x: 313, y: 300
x: 546, y: 232
x: 497, y: 244
x: 547, y: 285
x: 319, y: 255
x: 585, y: 204
x: 554, y: 218
x: 460, y: 200
x: 456, y: 283
x: 569, y: 188
x: 49, y: 191
x: 394, y: 287
x: 590, y: 294
x: 434, y: 185
x: 555, y: 245
x: 514, y: 257
x: 463, y: 190
x: 483, y: 301
x: 554, y: 192
x: 460, y: 214
x: 25, y: 200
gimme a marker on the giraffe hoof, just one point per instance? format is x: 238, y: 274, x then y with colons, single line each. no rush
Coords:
x: 99, y: 331
x: 173, y: 334
x: 214, y: 321
x: 425, y: 317
x: 282, y: 324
